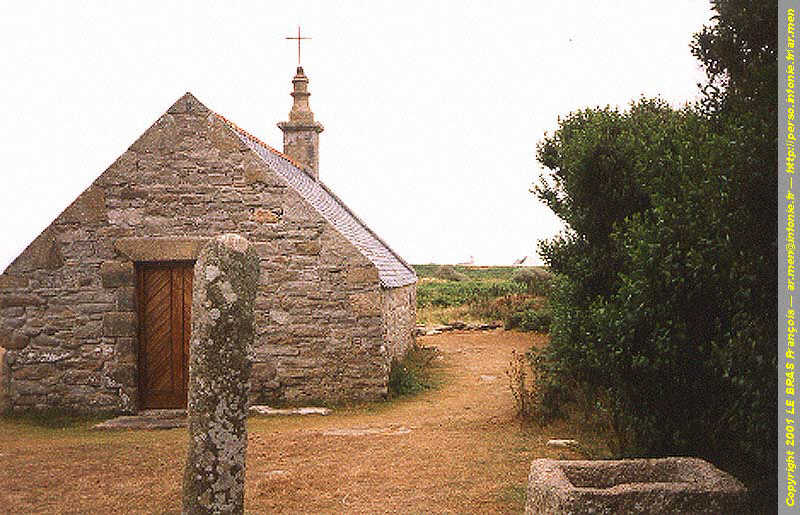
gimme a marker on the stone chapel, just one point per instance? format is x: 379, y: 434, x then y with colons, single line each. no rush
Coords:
x: 95, y: 313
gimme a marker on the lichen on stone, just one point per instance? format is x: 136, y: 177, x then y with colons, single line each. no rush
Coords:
x: 226, y: 277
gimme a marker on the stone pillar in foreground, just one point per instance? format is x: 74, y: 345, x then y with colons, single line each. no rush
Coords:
x: 225, y: 282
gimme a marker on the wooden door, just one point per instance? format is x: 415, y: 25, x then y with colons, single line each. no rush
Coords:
x: 165, y: 305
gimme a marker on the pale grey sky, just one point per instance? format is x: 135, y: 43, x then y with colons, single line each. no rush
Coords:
x: 432, y: 109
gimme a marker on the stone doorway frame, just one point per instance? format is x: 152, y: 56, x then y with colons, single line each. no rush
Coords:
x: 132, y: 252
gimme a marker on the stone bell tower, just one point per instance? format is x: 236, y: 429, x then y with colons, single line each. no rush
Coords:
x: 301, y: 132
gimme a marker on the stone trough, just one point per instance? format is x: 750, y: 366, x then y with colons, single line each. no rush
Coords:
x: 665, y: 485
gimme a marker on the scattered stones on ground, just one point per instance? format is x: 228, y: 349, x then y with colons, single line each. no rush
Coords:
x: 399, y: 430
x: 457, y: 325
x: 311, y: 410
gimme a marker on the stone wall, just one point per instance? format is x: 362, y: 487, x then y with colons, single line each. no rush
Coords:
x: 68, y: 308
x: 303, y: 146
x: 4, y: 382
x: 399, y: 319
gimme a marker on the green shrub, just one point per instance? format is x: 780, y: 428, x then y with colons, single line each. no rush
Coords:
x: 500, y: 308
x: 536, y: 280
x: 537, y: 320
x: 413, y: 373
x: 490, y: 294
x: 526, y: 388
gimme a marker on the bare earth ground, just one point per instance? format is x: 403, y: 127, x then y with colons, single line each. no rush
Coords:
x: 457, y: 449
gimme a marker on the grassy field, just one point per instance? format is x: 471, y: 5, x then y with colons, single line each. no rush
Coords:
x: 477, y: 273
x: 515, y: 296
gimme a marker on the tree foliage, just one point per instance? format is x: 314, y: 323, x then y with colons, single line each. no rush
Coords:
x: 664, y: 305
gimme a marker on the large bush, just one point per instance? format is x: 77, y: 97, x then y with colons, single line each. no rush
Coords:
x: 664, y: 304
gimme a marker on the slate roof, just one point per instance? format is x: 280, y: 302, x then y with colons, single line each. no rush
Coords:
x: 393, y: 271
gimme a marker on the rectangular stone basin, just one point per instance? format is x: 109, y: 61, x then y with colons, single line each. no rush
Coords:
x: 664, y: 485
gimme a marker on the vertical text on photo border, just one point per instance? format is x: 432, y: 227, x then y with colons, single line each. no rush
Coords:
x: 788, y: 410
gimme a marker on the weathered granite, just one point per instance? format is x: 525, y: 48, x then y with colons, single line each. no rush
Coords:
x: 43, y: 252
x: 160, y: 249
x: 223, y: 329
x: 4, y: 382
x: 307, y: 410
x: 399, y: 311
x: 664, y: 485
x: 68, y: 301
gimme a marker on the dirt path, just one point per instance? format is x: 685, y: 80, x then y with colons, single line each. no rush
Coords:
x: 454, y: 450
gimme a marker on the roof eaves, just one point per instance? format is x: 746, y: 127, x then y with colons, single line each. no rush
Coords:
x: 365, y: 226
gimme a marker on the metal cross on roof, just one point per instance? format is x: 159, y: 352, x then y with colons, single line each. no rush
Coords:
x: 298, y: 38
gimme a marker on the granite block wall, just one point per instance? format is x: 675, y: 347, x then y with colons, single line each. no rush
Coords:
x: 399, y: 319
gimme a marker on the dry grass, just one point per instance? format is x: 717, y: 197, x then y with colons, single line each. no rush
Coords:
x: 465, y: 453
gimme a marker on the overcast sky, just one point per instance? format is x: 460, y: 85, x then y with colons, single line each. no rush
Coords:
x: 432, y: 110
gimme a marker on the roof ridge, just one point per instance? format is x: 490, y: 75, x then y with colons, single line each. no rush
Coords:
x: 367, y: 227
x: 247, y: 134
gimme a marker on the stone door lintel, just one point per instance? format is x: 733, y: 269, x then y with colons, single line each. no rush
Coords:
x: 160, y: 249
